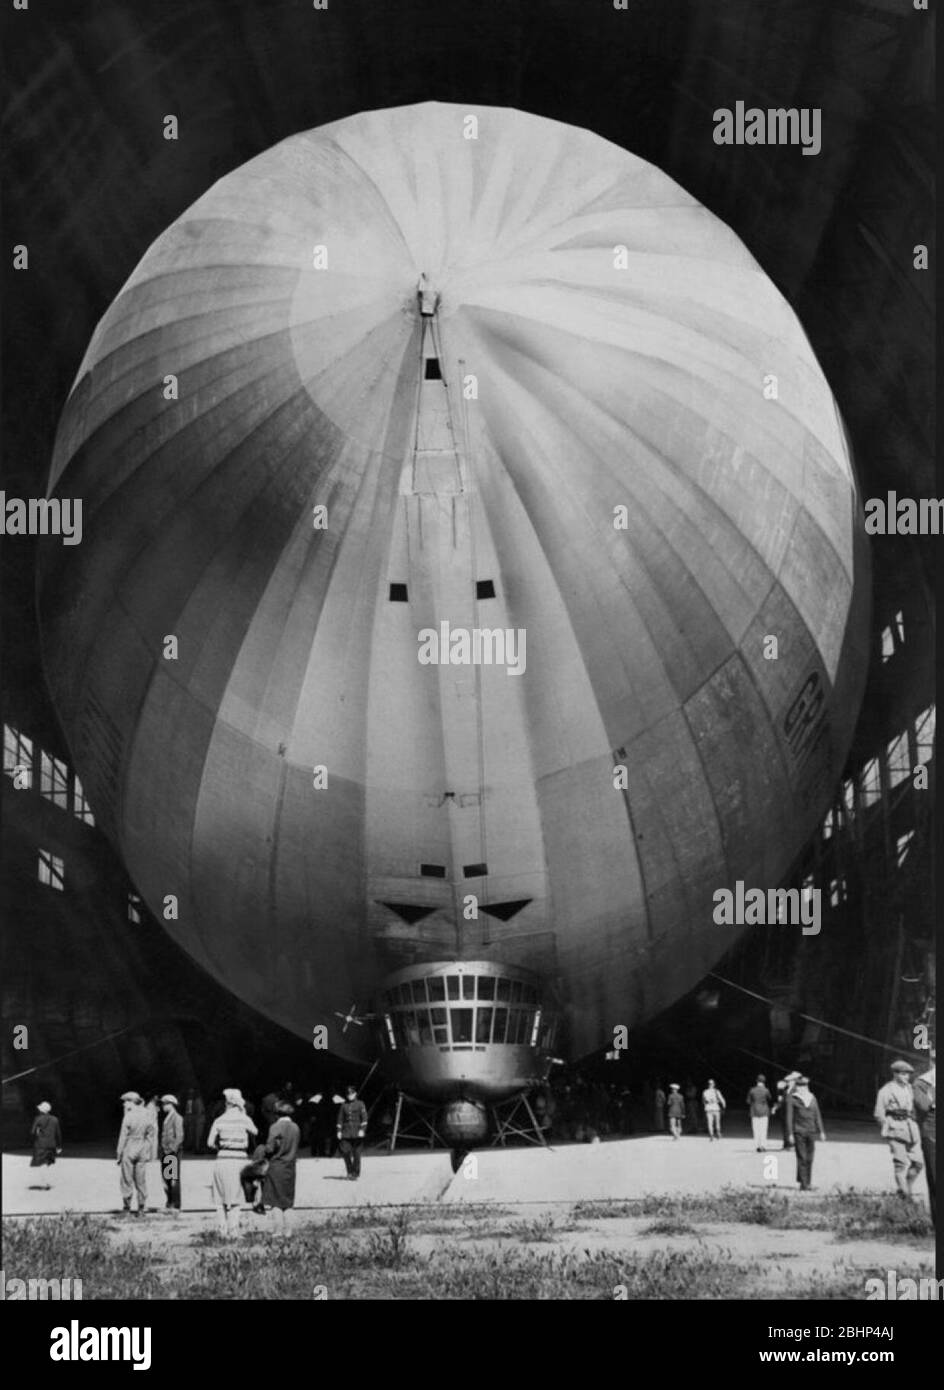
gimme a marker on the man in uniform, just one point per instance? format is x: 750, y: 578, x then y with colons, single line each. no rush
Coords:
x: 134, y: 1150
x: 924, y: 1113
x: 352, y: 1126
x: 172, y: 1143
x: 895, y: 1112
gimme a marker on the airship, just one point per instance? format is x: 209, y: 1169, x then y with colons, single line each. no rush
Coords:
x: 473, y: 582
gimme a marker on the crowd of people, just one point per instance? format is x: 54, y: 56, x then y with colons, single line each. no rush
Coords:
x: 255, y: 1162
x: 576, y: 1109
x: 260, y: 1174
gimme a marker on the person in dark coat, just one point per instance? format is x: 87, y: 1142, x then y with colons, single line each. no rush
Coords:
x: 47, y: 1140
x: 270, y: 1112
x: 321, y: 1108
x: 251, y: 1177
x: 691, y: 1107
x: 924, y: 1092
x: 171, y: 1148
x: 675, y: 1107
x: 783, y: 1105
x: 658, y: 1102
x: 352, y: 1126
x: 278, y: 1185
x: 758, y: 1103
x: 806, y: 1124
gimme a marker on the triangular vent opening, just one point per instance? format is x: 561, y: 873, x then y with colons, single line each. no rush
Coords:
x: 505, y: 911
x: 409, y: 912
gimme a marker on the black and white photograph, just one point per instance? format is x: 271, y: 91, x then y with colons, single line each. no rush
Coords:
x: 470, y: 537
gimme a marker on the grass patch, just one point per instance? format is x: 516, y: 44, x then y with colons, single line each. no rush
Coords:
x: 670, y: 1226
x: 78, y: 1246
x: 846, y: 1214
x: 371, y: 1253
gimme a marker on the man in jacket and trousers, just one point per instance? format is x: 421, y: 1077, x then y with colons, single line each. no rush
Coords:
x: 172, y: 1144
x: 134, y: 1150
x: 895, y: 1112
x: 758, y: 1101
x: 806, y: 1124
x: 352, y: 1126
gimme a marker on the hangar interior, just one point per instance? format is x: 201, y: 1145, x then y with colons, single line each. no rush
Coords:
x: 107, y: 998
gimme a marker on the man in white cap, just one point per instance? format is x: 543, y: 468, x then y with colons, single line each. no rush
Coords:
x: 135, y: 1142
x: 172, y: 1144
x: 895, y: 1112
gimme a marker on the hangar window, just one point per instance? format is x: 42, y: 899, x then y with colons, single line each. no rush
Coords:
x: 452, y: 986
x: 419, y: 991
x: 893, y: 637
x: 80, y: 806
x: 134, y: 909
x: 870, y: 782
x: 18, y: 756
x: 501, y: 1020
x: 848, y: 798
x: 51, y: 869
x: 899, y: 760
x: 486, y: 986
x: 468, y: 986
x: 504, y: 991
x: 483, y: 1026
x: 398, y: 593
x: 924, y: 735
x: 54, y: 781
x: 837, y: 892
x: 902, y: 846
x: 484, y: 588
x: 433, y: 870
x: 475, y: 870
x: 830, y: 823
x: 437, y: 988
x: 807, y: 888
x: 433, y: 371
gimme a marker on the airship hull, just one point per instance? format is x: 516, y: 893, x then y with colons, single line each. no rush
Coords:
x: 624, y: 449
